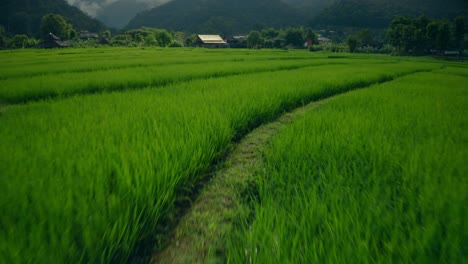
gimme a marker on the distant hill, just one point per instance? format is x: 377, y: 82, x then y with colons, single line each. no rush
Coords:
x: 379, y: 13
x: 118, y: 14
x: 219, y: 16
x: 24, y: 16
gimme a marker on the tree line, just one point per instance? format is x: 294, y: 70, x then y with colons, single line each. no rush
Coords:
x: 404, y: 36
x: 417, y: 36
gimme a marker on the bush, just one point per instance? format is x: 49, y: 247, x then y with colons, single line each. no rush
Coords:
x: 315, y: 48
x: 175, y: 44
x: 387, y: 49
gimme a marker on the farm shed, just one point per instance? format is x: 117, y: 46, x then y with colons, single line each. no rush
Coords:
x: 52, y: 41
x: 211, y: 41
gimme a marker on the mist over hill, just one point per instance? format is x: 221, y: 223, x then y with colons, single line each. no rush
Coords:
x: 115, y: 13
x: 219, y: 16
x: 24, y: 16
x: 118, y: 13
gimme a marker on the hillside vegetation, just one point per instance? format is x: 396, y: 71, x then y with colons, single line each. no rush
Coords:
x: 218, y: 16
x: 379, y: 13
x: 24, y: 16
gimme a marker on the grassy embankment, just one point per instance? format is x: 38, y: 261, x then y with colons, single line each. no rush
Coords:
x: 373, y: 176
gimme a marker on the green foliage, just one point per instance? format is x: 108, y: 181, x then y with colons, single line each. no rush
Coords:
x: 294, y: 36
x: 150, y: 40
x: 459, y: 31
x: 19, y: 41
x: 315, y: 48
x: 352, y: 42
x: 365, y: 37
x: 176, y: 44
x: 418, y: 36
x: 24, y: 16
x: 163, y: 38
x: 255, y: 40
x: 270, y: 33
x: 121, y: 40
x: 191, y: 40
x: 57, y: 25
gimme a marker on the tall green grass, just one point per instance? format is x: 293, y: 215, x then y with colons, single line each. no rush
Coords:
x: 89, y: 178
x: 373, y: 176
x: 34, y: 75
x: 28, y: 63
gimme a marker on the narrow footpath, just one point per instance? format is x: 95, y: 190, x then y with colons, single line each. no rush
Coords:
x: 200, y: 235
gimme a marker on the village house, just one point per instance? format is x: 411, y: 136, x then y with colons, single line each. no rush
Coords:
x: 211, y: 41
x: 51, y: 41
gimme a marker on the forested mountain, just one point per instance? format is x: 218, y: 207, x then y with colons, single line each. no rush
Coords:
x: 219, y: 16
x: 379, y: 13
x: 24, y: 16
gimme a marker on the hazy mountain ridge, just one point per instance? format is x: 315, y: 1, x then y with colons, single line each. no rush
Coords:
x: 379, y: 13
x: 219, y: 16
x: 24, y: 16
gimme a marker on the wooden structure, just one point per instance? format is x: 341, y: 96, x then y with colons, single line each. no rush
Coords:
x: 211, y: 41
x: 51, y: 41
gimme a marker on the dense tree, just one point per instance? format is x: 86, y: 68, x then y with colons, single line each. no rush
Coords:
x: 352, y: 42
x: 270, y: 33
x: 443, y: 38
x: 163, y: 38
x: 255, y: 39
x: 310, y: 34
x: 57, y: 25
x: 294, y: 36
x: 19, y: 41
x: 365, y: 37
x: 121, y: 40
x: 150, y: 40
x: 3, y: 38
x: 459, y: 31
x: 191, y: 40
x: 418, y: 36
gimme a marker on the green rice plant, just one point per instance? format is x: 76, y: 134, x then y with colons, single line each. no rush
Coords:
x: 373, y: 176
x: 90, y: 178
x: 28, y: 63
x: 36, y: 77
x: 48, y: 86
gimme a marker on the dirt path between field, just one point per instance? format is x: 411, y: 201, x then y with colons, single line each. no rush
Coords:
x: 223, y: 202
x: 199, y: 236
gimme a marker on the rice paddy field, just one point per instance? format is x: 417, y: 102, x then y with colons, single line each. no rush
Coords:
x: 98, y: 146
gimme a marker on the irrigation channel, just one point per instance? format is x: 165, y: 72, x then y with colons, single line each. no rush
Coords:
x: 223, y: 200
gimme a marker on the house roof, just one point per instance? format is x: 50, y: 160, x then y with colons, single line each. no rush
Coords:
x: 211, y: 39
x: 52, y: 36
